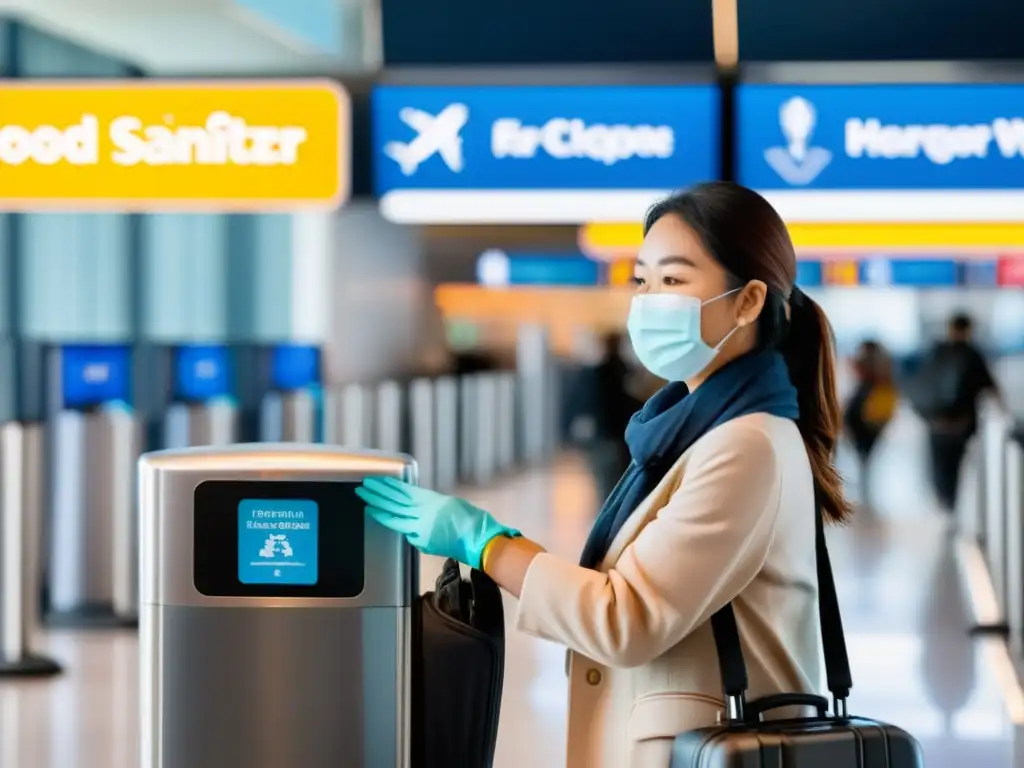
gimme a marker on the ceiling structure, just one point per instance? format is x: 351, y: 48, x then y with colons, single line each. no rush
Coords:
x: 200, y: 37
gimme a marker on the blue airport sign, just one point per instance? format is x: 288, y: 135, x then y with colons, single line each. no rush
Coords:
x: 499, y: 269
x: 539, y: 154
x: 881, y: 137
x: 919, y: 273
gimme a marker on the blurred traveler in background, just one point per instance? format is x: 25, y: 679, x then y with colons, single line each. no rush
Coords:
x: 732, y: 472
x: 613, y: 407
x: 871, y: 407
x: 946, y: 392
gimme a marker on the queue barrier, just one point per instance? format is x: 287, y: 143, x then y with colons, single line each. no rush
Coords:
x: 991, y: 515
x: 348, y: 416
x: 189, y: 425
x: 289, y: 417
x: 21, y: 509
x: 446, y: 430
x: 93, y: 579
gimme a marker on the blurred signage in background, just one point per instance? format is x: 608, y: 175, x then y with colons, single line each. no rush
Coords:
x: 499, y: 269
x: 921, y: 273
x: 294, y: 366
x: 621, y: 273
x: 979, y: 274
x: 202, y: 372
x: 538, y: 154
x: 841, y: 273
x: 158, y: 145
x: 93, y: 375
x: 873, y: 152
x: 1010, y: 269
x: 809, y: 274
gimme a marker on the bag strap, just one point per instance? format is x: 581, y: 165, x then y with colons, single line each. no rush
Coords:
x: 837, y: 661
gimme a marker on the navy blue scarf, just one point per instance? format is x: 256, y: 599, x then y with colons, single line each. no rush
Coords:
x: 673, y: 420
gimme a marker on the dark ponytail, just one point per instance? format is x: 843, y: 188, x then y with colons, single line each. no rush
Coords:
x: 742, y: 231
x: 809, y: 349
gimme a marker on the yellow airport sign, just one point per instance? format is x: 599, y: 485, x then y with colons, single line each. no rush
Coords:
x: 261, y: 145
x: 615, y: 241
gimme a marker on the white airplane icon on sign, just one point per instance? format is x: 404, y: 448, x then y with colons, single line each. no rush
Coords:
x: 434, y: 135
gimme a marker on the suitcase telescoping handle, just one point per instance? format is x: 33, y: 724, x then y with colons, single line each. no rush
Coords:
x: 837, y: 660
x: 758, y: 707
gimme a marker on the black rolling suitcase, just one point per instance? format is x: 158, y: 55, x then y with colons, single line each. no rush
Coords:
x: 458, y: 667
x: 838, y: 740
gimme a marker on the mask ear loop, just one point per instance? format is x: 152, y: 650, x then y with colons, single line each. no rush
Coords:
x: 720, y: 344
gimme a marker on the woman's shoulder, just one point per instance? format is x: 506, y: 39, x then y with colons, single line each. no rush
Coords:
x: 757, y: 432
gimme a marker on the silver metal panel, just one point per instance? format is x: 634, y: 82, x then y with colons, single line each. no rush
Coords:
x: 167, y: 482
x: 275, y: 688
x: 423, y: 435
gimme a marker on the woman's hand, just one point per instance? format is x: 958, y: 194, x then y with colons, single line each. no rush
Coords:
x: 435, y: 524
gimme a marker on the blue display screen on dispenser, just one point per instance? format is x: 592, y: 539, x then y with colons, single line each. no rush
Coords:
x: 93, y: 375
x: 295, y: 366
x: 278, y: 541
x: 202, y: 372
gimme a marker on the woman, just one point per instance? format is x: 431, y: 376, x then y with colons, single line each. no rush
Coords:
x: 718, y: 504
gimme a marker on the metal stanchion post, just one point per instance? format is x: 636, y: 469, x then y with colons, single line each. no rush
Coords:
x: 423, y: 436
x: 1015, y: 543
x: 446, y: 428
x: 486, y: 428
x: 389, y: 417
x: 995, y: 439
x: 124, y: 447
x: 20, y: 548
x: 467, y: 427
x: 356, y: 411
x: 506, y: 415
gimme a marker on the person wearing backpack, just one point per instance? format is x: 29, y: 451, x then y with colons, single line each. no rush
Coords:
x: 872, y: 405
x: 946, y: 391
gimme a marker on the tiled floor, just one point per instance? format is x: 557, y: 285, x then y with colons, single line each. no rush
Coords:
x: 905, y: 616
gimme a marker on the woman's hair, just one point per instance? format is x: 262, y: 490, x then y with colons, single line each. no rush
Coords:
x: 744, y: 234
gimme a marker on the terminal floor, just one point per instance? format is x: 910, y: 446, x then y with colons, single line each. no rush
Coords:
x: 906, y: 616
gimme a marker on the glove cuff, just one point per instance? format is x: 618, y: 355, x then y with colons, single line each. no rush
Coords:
x: 492, y: 530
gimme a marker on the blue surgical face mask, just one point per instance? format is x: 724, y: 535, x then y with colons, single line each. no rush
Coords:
x: 665, y: 331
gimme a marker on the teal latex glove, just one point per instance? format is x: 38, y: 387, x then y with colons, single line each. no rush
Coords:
x: 432, y: 522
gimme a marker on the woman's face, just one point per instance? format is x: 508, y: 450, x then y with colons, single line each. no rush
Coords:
x: 672, y: 259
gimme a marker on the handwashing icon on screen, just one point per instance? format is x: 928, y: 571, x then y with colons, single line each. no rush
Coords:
x: 276, y: 542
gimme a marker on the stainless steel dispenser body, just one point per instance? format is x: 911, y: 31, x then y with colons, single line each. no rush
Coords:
x: 266, y: 675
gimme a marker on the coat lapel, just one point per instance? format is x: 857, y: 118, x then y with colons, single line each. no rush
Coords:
x: 644, y: 513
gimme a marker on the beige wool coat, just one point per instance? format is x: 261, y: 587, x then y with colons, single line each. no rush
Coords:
x: 732, y: 520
